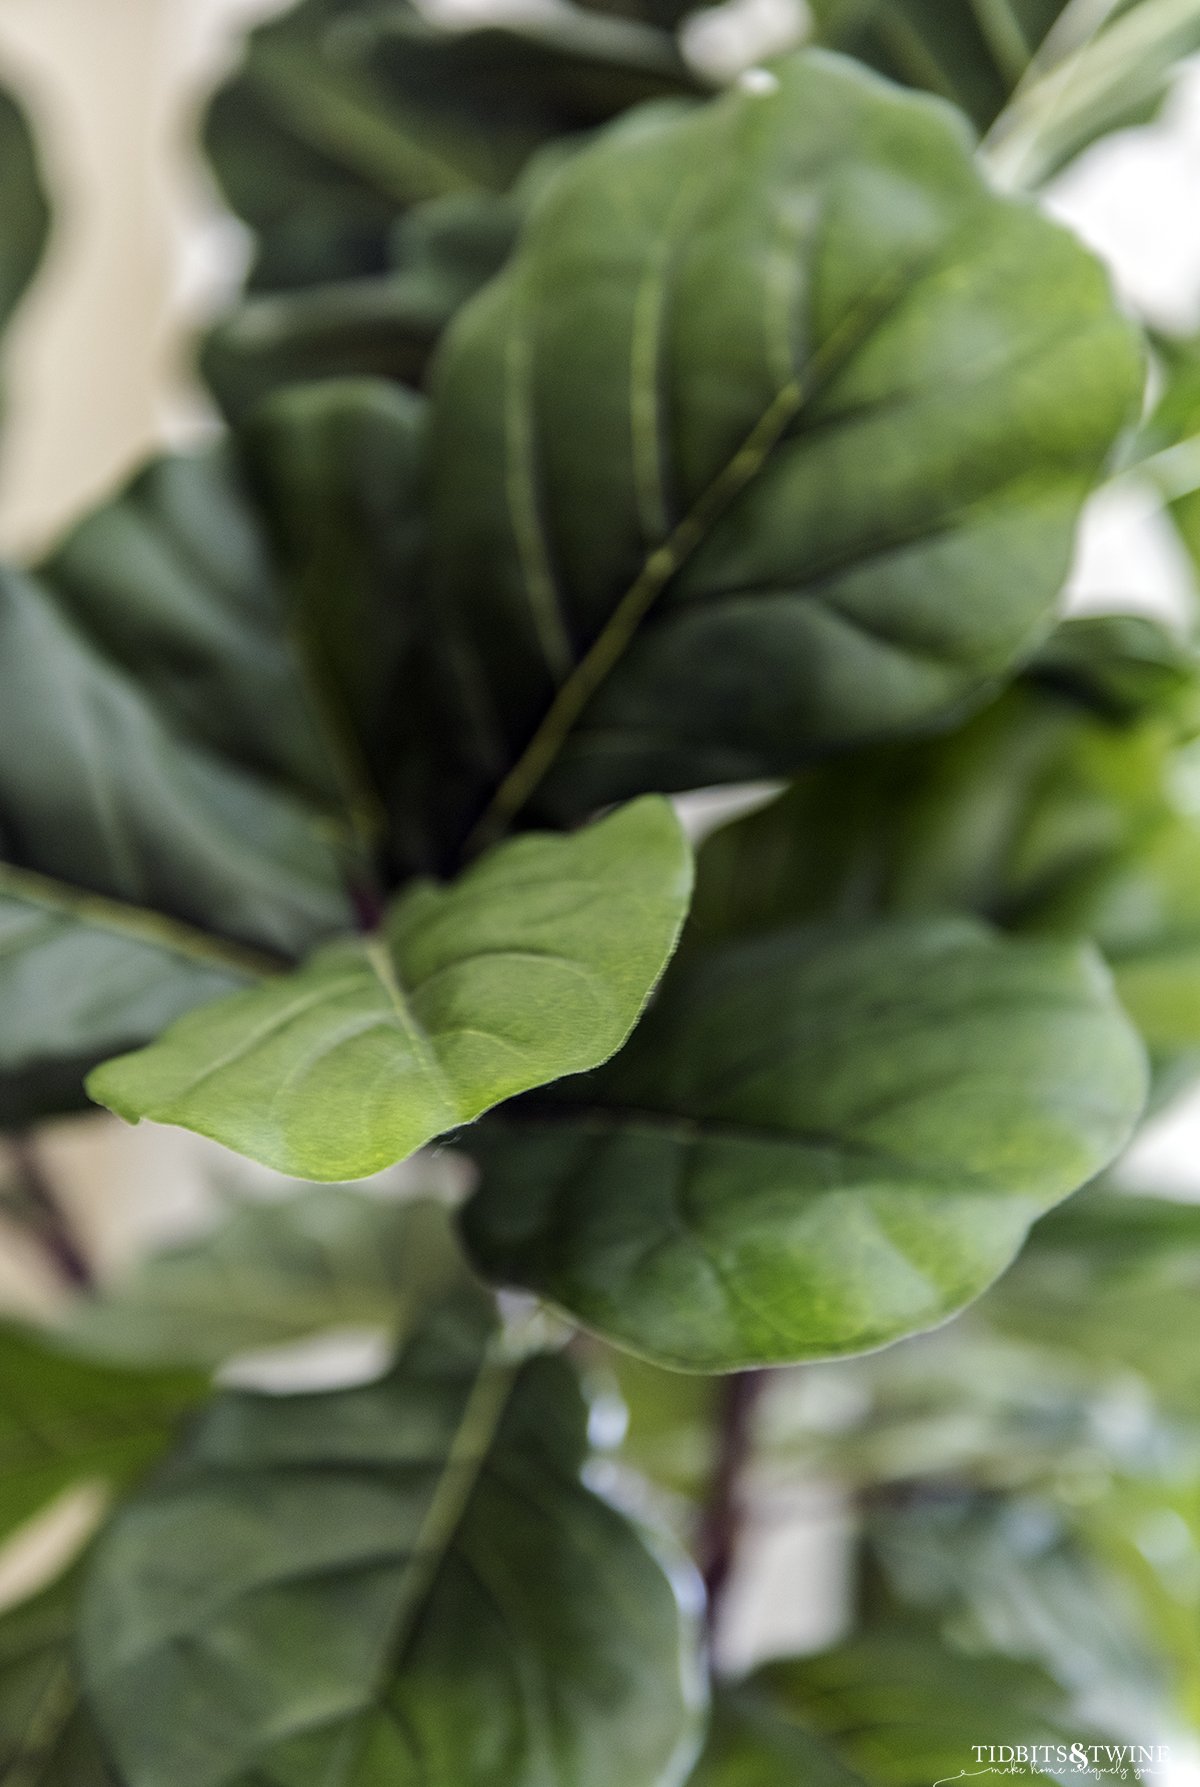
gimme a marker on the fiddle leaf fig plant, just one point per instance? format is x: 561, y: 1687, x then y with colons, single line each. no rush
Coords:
x: 602, y: 429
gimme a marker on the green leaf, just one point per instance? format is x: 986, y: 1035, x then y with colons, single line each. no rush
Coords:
x: 66, y: 1421
x: 1048, y: 78
x: 271, y: 1273
x: 771, y: 437
x: 816, y: 1142
x: 1110, y: 1283
x: 26, y: 210
x: 973, y: 55
x: 168, y: 808
x: 1015, y: 1575
x: 383, y: 325
x: 334, y: 468
x: 173, y: 582
x: 344, y: 113
x: 535, y: 963
x: 750, y: 1745
x: 1064, y: 808
x: 896, y: 1707
x: 400, y: 1584
x: 47, y: 1735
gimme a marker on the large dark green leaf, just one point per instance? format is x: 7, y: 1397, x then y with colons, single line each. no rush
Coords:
x: 535, y: 963
x: 770, y: 437
x: 1064, y: 808
x: 170, y: 823
x: 345, y: 112
x: 815, y: 1143
x: 65, y: 1421
x: 405, y: 1584
x: 270, y: 1273
x: 47, y: 1735
x: 894, y: 1708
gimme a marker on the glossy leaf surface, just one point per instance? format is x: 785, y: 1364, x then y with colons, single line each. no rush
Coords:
x: 816, y: 1142
x: 404, y: 1583
x: 535, y: 963
x: 770, y: 437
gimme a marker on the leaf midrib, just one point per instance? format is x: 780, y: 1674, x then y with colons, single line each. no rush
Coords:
x: 484, y: 1409
x: 662, y: 565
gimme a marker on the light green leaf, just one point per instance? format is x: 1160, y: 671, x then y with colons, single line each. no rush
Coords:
x: 771, y: 437
x: 65, y: 1421
x: 405, y: 1584
x: 47, y: 1736
x: 816, y: 1142
x: 535, y: 963
x: 896, y: 1707
x: 271, y: 1273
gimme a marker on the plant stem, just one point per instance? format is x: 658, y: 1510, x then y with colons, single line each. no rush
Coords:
x: 723, y: 1515
x: 53, y: 1229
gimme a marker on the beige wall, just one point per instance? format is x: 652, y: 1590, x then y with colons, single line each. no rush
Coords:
x: 97, y: 366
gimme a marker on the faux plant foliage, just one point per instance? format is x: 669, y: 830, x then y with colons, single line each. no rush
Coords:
x: 404, y: 1583
x: 334, y: 469
x: 170, y: 820
x: 344, y: 115
x: 895, y: 1707
x: 65, y: 1422
x: 271, y: 1272
x: 384, y: 325
x: 1049, y: 79
x: 1014, y: 1573
x: 974, y: 56
x: 770, y: 437
x: 1064, y: 808
x: 535, y: 963
x: 47, y: 1735
x: 817, y: 1141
